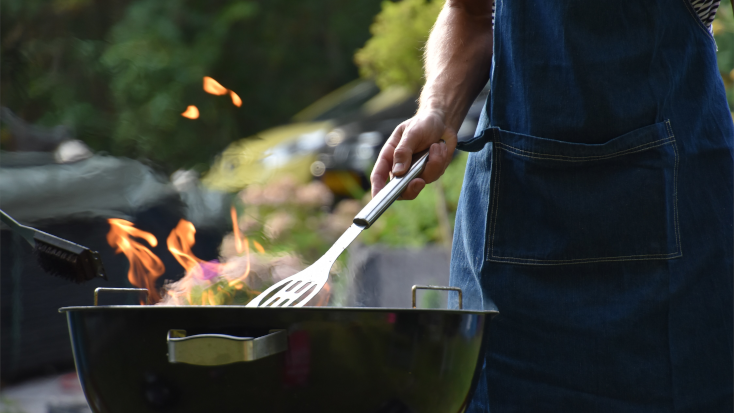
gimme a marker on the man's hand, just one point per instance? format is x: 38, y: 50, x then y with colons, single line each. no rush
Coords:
x: 458, y: 58
x: 424, y: 130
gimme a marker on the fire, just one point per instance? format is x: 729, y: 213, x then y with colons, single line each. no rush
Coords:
x: 235, y: 99
x: 205, y: 282
x: 145, y: 266
x: 213, y: 87
x: 240, y: 244
x: 191, y: 112
x: 258, y: 247
x: 180, y: 241
x: 324, y: 295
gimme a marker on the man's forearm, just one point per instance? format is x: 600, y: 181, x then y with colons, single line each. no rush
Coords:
x: 458, y: 58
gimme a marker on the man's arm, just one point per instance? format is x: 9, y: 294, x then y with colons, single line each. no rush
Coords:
x: 457, y: 62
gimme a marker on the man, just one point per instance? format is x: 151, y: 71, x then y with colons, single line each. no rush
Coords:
x: 596, y: 212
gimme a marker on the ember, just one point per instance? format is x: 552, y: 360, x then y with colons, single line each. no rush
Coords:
x: 215, y: 88
x: 235, y: 99
x: 191, y: 112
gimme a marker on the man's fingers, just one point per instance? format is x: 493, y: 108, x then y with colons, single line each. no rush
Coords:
x: 383, y: 165
x: 402, y: 158
x: 437, y: 160
x: 380, y: 173
x: 417, y: 136
x: 414, y: 188
x: 413, y: 136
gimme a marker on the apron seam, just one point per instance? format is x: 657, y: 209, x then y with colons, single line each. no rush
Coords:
x: 675, y: 196
x: 532, y: 261
x: 495, y: 198
x: 642, y: 148
x: 668, y: 139
x: 699, y: 23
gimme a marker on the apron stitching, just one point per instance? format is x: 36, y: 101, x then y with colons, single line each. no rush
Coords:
x: 530, y: 261
x: 669, y: 129
x: 675, y: 198
x: 699, y: 23
x: 559, y: 158
x: 495, y: 202
x: 670, y: 254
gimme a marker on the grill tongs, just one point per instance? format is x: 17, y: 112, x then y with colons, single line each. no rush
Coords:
x: 289, y: 291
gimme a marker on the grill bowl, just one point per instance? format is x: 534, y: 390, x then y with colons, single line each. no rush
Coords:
x: 372, y: 360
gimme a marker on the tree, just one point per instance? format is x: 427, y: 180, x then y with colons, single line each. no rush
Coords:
x: 121, y: 72
x: 394, y: 54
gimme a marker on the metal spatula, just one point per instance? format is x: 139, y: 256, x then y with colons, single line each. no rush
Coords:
x: 289, y: 291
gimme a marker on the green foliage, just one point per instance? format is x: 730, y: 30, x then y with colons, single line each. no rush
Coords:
x: 120, y: 72
x: 394, y: 54
x: 723, y: 28
x: 159, y: 52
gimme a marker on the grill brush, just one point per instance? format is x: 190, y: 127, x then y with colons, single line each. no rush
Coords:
x: 58, y: 256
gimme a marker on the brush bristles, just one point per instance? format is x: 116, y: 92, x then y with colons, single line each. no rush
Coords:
x: 66, y: 259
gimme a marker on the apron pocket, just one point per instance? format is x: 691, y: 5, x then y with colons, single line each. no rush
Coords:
x: 555, y: 203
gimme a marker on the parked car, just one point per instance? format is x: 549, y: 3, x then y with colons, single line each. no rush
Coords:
x: 291, y: 148
x: 336, y: 139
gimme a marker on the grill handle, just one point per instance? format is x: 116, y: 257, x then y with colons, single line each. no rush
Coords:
x: 119, y: 290
x: 220, y: 349
x: 389, y: 194
x: 438, y: 287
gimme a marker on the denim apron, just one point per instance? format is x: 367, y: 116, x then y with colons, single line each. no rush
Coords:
x: 596, y: 212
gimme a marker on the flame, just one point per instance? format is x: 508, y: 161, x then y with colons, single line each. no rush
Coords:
x: 216, y: 88
x: 145, y: 266
x: 180, y: 241
x: 213, y: 87
x: 191, y: 112
x: 205, y: 283
x: 235, y: 99
x: 240, y: 244
x: 324, y: 295
x: 258, y: 247
x: 236, y: 230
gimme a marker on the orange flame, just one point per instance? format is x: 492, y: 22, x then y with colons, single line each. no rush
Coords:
x: 213, y: 87
x: 258, y: 247
x: 180, y: 241
x: 235, y: 99
x: 145, y: 266
x: 323, y: 296
x: 191, y: 112
x: 240, y: 244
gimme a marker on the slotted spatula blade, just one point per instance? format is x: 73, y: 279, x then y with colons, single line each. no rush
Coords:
x: 289, y: 292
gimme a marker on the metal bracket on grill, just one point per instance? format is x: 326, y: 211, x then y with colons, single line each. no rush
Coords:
x: 120, y: 290
x: 437, y: 287
x: 220, y: 349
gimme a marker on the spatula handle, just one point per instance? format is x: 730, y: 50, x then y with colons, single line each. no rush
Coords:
x: 391, y: 192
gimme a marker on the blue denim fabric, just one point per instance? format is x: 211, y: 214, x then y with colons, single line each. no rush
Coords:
x: 596, y: 213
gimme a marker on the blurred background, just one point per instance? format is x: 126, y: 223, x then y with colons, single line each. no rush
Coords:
x: 257, y: 122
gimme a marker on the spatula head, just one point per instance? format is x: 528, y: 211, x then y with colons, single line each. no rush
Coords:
x: 289, y: 292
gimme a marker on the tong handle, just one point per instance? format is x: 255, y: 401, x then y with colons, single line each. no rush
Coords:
x: 391, y: 192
